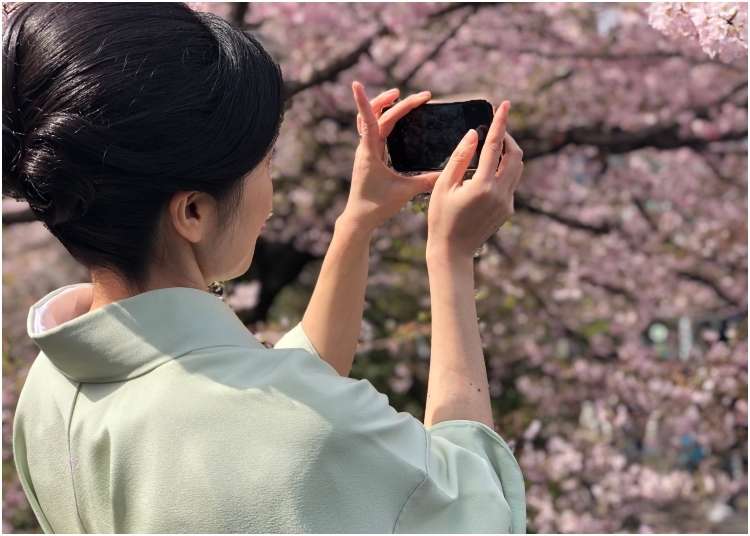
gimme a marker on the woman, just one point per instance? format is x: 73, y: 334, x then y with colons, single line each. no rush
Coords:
x: 141, y: 135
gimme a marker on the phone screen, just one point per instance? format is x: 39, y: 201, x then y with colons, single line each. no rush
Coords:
x: 425, y: 138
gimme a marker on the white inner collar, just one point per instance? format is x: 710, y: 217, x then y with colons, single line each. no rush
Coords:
x: 63, y: 307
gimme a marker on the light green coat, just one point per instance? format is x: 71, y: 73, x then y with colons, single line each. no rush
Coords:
x: 163, y: 413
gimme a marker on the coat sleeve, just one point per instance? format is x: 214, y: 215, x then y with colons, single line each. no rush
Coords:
x: 472, y: 483
x: 456, y: 476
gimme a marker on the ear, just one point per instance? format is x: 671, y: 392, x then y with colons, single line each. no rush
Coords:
x: 191, y: 213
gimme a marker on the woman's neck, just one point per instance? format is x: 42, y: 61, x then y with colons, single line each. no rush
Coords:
x: 108, y: 288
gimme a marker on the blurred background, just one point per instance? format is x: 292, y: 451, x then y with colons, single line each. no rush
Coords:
x: 613, y: 305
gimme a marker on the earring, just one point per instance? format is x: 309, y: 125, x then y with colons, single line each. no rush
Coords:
x: 217, y: 289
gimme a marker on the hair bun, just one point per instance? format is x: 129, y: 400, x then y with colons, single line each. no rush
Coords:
x: 13, y: 138
x: 41, y: 172
x: 12, y: 153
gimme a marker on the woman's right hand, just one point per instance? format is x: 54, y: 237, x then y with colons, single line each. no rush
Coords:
x: 463, y: 214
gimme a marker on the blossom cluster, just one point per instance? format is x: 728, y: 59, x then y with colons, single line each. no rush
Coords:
x: 719, y: 27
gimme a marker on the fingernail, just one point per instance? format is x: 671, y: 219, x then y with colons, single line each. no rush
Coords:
x: 426, y: 93
x: 469, y: 137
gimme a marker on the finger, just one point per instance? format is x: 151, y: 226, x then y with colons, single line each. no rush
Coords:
x: 511, y: 164
x: 519, y: 166
x: 424, y: 182
x: 377, y: 104
x: 381, y: 101
x: 493, y: 144
x: 369, y: 123
x: 517, y: 177
x: 389, y: 119
x: 459, y: 161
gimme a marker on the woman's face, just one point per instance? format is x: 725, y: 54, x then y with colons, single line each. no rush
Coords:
x: 199, y: 248
x: 236, y: 243
x: 228, y: 251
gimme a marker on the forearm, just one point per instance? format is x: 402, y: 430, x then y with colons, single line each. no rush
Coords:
x: 333, y: 318
x: 457, y: 387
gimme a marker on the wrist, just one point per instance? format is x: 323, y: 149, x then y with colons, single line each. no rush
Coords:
x: 442, y: 256
x: 352, y: 227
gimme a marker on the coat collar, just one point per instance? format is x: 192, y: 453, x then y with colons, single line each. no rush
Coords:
x: 129, y: 337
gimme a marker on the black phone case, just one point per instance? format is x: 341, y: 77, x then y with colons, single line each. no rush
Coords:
x: 425, y: 138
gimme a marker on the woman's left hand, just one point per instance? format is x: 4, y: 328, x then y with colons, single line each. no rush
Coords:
x: 378, y: 192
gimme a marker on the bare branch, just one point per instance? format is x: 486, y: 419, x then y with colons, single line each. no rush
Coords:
x: 706, y: 281
x: 615, y: 140
x: 627, y: 56
x: 714, y: 167
x: 522, y: 203
x: 403, y: 82
x: 584, y: 55
x: 336, y: 66
x: 450, y: 8
x: 550, y: 82
x: 640, y: 204
x: 609, y: 287
x: 439, y: 46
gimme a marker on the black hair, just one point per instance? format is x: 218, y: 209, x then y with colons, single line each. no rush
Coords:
x: 111, y: 108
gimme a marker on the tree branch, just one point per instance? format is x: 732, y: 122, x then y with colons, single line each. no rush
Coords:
x: 704, y: 280
x: 626, y: 56
x: 440, y: 45
x: 336, y: 66
x: 522, y: 203
x: 584, y: 55
x: 403, y: 82
x: 615, y: 140
x: 450, y: 8
x: 714, y: 167
x: 553, y: 80
x: 640, y: 204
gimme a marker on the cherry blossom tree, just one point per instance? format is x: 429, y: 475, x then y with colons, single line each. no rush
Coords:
x: 613, y: 305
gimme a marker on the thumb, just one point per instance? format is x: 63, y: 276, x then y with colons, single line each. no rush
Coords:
x: 425, y: 182
x: 459, y: 161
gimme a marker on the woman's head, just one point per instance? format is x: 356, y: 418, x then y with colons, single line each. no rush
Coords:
x: 140, y: 134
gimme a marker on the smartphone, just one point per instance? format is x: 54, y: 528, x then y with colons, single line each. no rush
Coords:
x: 425, y: 138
